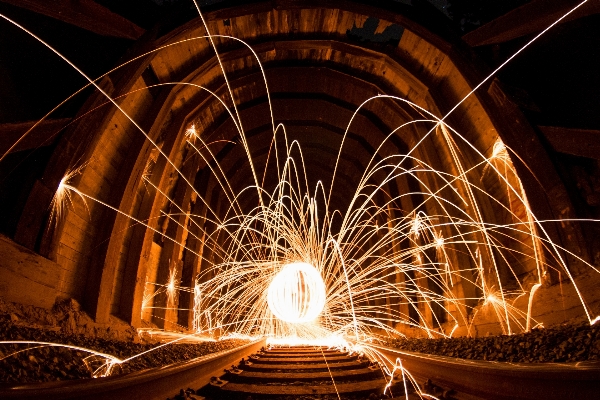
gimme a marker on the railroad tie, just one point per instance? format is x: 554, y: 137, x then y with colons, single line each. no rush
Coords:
x: 297, y: 371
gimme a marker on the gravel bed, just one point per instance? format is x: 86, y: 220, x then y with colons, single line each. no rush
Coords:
x: 565, y: 343
x: 46, y: 364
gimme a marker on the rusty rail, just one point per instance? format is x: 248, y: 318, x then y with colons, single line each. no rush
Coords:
x: 492, y: 380
x: 156, y: 383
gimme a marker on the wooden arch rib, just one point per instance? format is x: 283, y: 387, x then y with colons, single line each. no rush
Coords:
x: 422, y: 68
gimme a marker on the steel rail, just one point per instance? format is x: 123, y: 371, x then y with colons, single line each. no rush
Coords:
x: 155, y: 383
x: 494, y: 380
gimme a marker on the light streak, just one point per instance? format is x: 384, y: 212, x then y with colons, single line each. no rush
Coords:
x: 105, y: 363
x: 329, y: 370
x: 366, y: 278
x: 530, y: 305
x: 397, y: 367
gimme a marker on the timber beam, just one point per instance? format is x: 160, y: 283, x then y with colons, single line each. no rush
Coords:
x: 85, y: 14
x: 576, y: 142
x: 528, y: 19
x: 16, y: 137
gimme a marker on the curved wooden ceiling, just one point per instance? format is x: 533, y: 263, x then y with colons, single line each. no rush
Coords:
x: 318, y: 73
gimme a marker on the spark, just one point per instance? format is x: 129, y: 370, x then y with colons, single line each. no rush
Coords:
x: 191, y: 133
x: 416, y: 226
x: 453, y: 329
x: 172, y: 285
x: 62, y: 197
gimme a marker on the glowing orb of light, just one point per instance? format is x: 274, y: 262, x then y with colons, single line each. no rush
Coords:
x: 297, y: 293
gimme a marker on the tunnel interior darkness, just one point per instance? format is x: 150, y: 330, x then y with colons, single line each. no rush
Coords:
x: 344, y: 134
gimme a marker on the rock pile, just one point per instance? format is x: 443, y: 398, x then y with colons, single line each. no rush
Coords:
x: 42, y: 364
x: 67, y: 317
x: 565, y: 343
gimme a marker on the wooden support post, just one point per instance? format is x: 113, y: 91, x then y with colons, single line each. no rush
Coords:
x: 191, y: 263
x: 545, y: 191
x: 140, y: 251
x: 170, y: 265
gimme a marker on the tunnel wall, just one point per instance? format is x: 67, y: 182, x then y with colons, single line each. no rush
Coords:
x: 106, y: 267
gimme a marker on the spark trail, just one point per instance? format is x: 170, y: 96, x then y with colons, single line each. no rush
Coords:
x: 384, y: 269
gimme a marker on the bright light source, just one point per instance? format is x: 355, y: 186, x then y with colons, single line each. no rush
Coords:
x: 297, y: 293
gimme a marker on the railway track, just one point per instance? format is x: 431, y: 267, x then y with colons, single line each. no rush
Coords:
x: 310, y: 373
x: 151, y: 384
x: 298, y: 372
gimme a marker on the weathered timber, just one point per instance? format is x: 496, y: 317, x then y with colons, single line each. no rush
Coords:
x: 13, y: 137
x: 329, y: 358
x: 528, y: 19
x: 288, y: 390
x: 577, y: 142
x: 307, y: 376
x: 26, y: 277
x: 348, y: 374
x: 300, y: 350
x: 304, y: 354
x: 314, y: 366
x: 85, y: 14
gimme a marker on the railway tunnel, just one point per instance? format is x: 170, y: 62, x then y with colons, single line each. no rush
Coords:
x: 437, y: 190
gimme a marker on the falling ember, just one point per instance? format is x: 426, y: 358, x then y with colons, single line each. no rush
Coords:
x: 297, y: 293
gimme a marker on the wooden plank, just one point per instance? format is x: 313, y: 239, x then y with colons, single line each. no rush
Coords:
x: 300, y: 350
x: 85, y: 14
x: 301, y: 359
x: 26, y: 277
x: 303, y: 354
x: 528, y: 19
x: 299, y: 367
x: 31, y: 219
x: 309, y: 376
x: 577, y: 142
x: 306, y: 389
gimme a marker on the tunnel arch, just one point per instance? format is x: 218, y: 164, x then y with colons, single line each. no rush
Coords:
x: 107, y: 258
